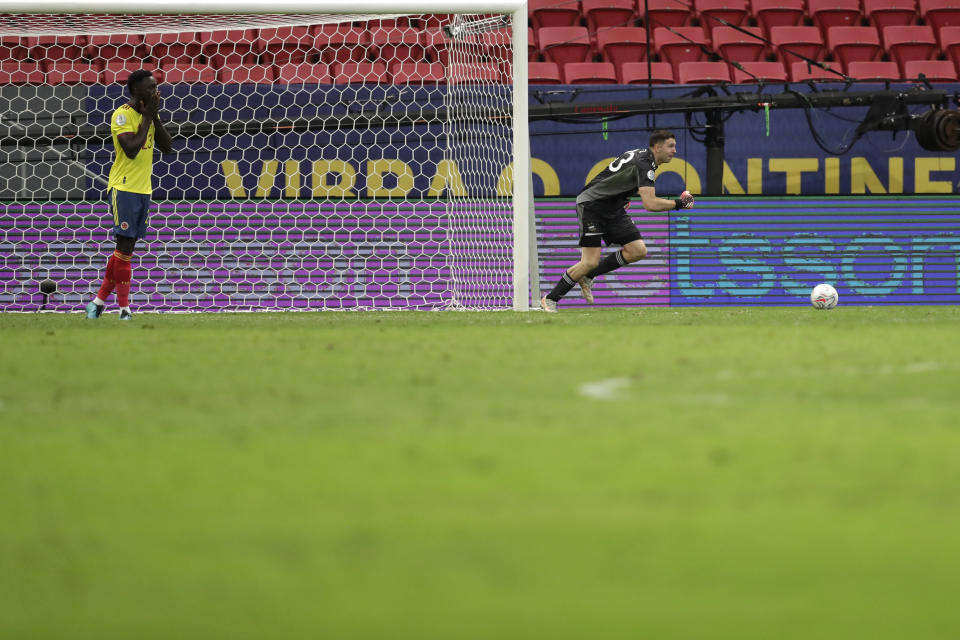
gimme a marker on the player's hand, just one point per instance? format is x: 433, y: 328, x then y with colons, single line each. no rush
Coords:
x: 686, y: 200
x: 151, y: 105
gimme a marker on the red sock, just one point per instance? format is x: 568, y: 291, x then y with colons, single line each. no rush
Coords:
x: 122, y: 273
x: 109, y: 281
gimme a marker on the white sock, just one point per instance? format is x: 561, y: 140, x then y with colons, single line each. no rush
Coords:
x: 97, y: 301
x: 127, y: 309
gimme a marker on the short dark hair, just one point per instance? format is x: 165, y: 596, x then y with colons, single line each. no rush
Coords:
x: 136, y: 77
x: 660, y: 135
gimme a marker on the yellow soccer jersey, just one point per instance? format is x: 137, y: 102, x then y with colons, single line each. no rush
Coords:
x: 131, y: 175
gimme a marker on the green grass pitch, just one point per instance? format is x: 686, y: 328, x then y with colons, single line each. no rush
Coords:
x: 768, y: 473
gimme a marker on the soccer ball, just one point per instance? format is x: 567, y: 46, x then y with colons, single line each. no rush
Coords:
x: 824, y: 296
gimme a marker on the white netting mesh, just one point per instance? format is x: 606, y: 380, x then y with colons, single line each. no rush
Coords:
x: 319, y: 161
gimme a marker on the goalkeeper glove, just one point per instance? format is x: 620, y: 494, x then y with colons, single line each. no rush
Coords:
x: 685, y: 201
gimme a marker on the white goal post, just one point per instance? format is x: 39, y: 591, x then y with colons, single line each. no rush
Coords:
x: 312, y: 191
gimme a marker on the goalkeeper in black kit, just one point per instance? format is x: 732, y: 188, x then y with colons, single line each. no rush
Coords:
x: 601, y: 210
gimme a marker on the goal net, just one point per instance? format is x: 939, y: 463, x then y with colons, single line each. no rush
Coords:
x: 321, y: 161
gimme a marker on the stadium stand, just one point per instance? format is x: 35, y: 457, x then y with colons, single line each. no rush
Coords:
x: 777, y: 13
x: 21, y: 73
x: 734, y: 44
x: 854, y: 44
x: 589, y: 73
x: 622, y: 44
x: 913, y: 42
x: 732, y: 11
x: 765, y: 71
x: 932, y: 70
x: 565, y: 44
x: 681, y: 44
x: 544, y: 73
x: 880, y: 70
x: 303, y: 73
x: 803, y: 40
x: 359, y: 72
x: 827, y: 14
x: 667, y: 13
x: 607, y: 14
x: 417, y: 73
x: 174, y: 73
x: 886, y: 13
x: 703, y: 72
x: 636, y: 73
x: 940, y: 13
x: 949, y: 38
x: 553, y: 13
x: 801, y: 72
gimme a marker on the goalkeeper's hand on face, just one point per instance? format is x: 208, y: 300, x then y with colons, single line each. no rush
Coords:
x: 685, y: 201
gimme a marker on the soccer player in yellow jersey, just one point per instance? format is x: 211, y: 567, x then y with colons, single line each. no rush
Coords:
x: 136, y: 128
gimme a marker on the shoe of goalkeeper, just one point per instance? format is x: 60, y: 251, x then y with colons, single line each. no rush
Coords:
x: 586, y: 288
x: 126, y: 315
x: 548, y: 305
x: 94, y: 310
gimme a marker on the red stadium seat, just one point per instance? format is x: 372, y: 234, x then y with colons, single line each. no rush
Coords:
x: 401, y: 45
x: 232, y: 47
x: 116, y: 47
x: 764, y: 71
x: 360, y: 72
x: 854, y: 44
x: 282, y: 45
x: 192, y: 73
x: 933, y: 70
x: 553, y: 13
x: 544, y: 73
x: 950, y: 44
x: 417, y: 73
x: 778, y: 13
x: 732, y: 11
x: 887, y: 13
x: 435, y: 43
x: 834, y: 13
x: 805, y: 41
x: 914, y: 42
x: 565, y: 44
x: 303, y: 73
x: 940, y: 13
x: 172, y: 47
x: 685, y: 47
x: 245, y: 74
x: 801, y: 72
x: 623, y: 44
x: 666, y: 13
x: 533, y: 51
x: 480, y: 73
x: 703, y: 73
x: 72, y: 73
x: 436, y: 20
x: 13, y: 48
x: 876, y: 70
x: 734, y: 44
x: 607, y: 14
x: 21, y: 72
x: 341, y: 43
x: 589, y: 73
x: 56, y: 48
x: 117, y: 72
x: 636, y: 73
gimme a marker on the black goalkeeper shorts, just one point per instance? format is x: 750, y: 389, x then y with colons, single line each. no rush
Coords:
x: 613, y: 226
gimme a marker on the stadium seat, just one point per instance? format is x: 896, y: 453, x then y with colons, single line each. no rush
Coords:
x: 282, y: 45
x: 854, y: 44
x: 544, y: 73
x: 166, y: 48
x: 732, y: 11
x: 116, y: 47
x: 685, y: 47
x: 401, y: 45
x: 477, y: 73
x: 805, y: 41
x: 933, y: 70
x: 417, y: 73
x: 801, y: 72
x: 20, y: 72
x: 887, y: 13
x: 589, y: 73
x: 303, y: 73
x: 54, y: 48
x: 243, y: 74
x: 360, y: 72
x: 117, y: 72
x: 72, y: 73
x: 192, y: 73
x: 341, y: 43
x: 533, y: 50
x: 623, y: 44
x: 435, y: 42
x: 607, y: 14
x: 435, y: 20
x: 12, y: 48
x: 940, y: 13
x: 636, y: 73
x: 703, y: 73
x: 230, y: 47
x: 913, y: 42
x: 950, y: 44
x: 875, y: 70
x: 777, y: 13
x: 734, y: 44
x: 666, y: 13
x: 826, y: 14
x: 553, y: 13
x: 565, y: 44
x: 764, y: 71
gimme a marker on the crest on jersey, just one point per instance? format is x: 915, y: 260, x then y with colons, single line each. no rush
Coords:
x: 121, y: 119
x: 124, y: 225
x: 651, y: 175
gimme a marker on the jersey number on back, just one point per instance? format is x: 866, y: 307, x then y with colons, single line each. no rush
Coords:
x: 623, y: 159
